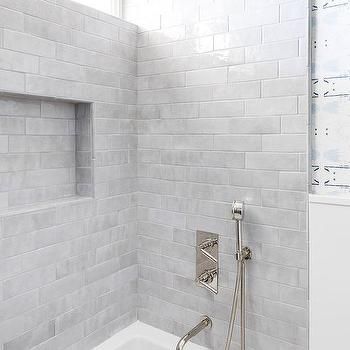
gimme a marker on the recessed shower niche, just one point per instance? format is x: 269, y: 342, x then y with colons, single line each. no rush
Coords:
x: 45, y: 150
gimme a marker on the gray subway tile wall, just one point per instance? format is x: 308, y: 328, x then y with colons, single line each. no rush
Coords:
x: 67, y: 228
x: 39, y: 161
x: 222, y: 87
x: 196, y: 104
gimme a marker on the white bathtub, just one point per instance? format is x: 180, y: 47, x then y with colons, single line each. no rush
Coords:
x: 140, y: 336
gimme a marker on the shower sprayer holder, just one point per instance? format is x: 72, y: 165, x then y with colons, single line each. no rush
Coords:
x: 242, y: 253
x: 239, y: 294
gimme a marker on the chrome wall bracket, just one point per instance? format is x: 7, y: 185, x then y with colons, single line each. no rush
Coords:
x: 244, y: 254
x: 237, y: 210
x: 207, y: 260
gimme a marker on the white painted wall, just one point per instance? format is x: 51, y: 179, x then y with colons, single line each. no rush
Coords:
x: 329, y: 272
x: 330, y: 156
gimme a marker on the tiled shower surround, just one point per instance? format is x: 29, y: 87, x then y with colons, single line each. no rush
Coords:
x: 222, y: 115
x: 209, y: 107
x: 66, y: 264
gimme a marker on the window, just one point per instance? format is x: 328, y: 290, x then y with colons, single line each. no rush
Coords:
x: 112, y: 7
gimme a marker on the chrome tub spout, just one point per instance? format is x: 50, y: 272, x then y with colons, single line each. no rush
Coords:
x: 206, y: 322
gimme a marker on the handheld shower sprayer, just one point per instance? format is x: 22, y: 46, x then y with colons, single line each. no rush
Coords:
x: 242, y: 254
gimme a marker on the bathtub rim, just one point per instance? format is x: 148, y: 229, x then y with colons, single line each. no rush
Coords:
x: 139, y: 330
